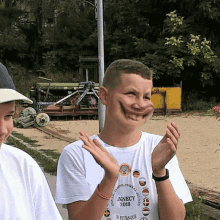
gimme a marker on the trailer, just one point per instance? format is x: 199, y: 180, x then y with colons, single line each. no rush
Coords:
x: 66, y: 99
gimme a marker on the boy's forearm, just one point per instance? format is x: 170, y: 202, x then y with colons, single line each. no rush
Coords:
x: 170, y: 206
x: 94, y: 208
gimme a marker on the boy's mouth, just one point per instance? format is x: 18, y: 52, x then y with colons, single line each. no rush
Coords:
x: 133, y: 115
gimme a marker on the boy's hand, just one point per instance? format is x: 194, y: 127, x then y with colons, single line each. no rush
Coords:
x: 101, y: 155
x: 165, y: 150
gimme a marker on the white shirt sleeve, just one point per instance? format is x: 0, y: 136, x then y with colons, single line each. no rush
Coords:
x: 71, y: 183
x: 177, y: 180
x: 175, y: 175
x: 44, y: 204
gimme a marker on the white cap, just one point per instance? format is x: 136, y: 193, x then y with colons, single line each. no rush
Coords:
x: 7, y: 95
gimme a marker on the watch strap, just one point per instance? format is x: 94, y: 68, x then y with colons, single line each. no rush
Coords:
x: 159, y: 179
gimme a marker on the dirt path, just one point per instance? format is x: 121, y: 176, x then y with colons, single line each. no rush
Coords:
x: 198, y: 148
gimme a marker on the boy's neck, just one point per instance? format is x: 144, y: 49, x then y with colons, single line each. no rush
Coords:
x: 119, y: 139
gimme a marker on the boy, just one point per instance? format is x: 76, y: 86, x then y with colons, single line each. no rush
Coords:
x: 24, y: 192
x: 123, y: 173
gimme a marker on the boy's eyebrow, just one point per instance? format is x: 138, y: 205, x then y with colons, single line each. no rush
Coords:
x: 12, y: 112
x: 133, y: 89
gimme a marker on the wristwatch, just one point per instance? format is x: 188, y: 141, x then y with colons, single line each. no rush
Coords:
x: 159, y: 179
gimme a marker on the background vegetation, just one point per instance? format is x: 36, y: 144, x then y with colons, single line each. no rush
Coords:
x: 178, y: 40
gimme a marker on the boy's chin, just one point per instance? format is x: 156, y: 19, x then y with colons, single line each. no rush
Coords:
x: 132, y: 125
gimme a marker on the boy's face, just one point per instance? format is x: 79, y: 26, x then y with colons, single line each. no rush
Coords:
x: 128, y: 105
x: 7, y: 111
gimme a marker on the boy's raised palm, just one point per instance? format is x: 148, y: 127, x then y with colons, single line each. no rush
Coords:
x: 101, y: 155
x: 165, y: 150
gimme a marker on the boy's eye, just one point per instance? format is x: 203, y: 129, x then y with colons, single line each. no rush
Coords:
x: 9, y: 116
x: 146, y: 97
x: 130, y: 93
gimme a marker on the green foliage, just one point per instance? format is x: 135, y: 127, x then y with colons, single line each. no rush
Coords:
x: 51, y: 153
x: 174, y: 22
x: 195, y: 210
x: 195, y: 101
x: 51, y: 35
x: 22, y: 78
x: 25, y: 139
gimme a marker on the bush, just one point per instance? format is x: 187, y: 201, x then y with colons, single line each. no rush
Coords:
x: 195, y: 210
x: 194, y: 101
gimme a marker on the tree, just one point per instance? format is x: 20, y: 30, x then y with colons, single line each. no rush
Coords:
x: 181, y: 52
x: 75, y: 34
x: 12, y: 42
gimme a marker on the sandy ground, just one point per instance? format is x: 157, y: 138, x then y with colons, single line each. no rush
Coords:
x: 198, y: 148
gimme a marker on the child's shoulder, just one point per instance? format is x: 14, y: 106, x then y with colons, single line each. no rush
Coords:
x: 12, y: 150
x: 15, y: 154
x: 149, y: 136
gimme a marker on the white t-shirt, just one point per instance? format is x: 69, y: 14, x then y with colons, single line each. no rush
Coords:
x: 24, y: 192
x: 134, y: 195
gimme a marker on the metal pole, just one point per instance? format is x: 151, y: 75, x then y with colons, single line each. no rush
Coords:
x: 101, y: 108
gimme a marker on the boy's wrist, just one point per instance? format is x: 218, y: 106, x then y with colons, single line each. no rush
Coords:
x: 159, y: 173
x: 111, y: 176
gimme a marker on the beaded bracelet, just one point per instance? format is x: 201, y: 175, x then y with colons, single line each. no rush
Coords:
x: 101, y: 195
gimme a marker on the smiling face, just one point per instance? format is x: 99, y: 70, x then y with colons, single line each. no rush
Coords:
x: 128, y: 105
x: 7, y: 111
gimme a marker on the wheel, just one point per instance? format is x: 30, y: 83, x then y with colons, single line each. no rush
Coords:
x: 28, y: 111
x: 42, y: 119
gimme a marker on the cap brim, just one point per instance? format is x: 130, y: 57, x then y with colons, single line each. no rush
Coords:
x: 7, y: 95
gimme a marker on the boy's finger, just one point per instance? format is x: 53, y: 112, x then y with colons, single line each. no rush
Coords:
x: 86, y: 141
x: 98, y: 144
x: 174, y: 131
x: 172, y: 147
x: 90, y: 150
x: 85, y: 135
x: 171, y: 137
x: 173, y: 124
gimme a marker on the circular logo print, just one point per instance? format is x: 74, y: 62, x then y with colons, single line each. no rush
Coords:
x: 107, y: 213
x: 125, y: 169
x: 146, y: 202
x: 145, y: 211
x: 145, y: 191
x: 142, y: 181
x: 136, y: 173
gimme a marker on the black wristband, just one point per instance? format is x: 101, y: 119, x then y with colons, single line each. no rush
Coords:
x: 159, y: 179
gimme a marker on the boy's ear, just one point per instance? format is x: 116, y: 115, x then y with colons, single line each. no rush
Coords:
x: 103, y: 94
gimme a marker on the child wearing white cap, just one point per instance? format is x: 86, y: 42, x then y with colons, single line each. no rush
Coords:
x: 24, y: 192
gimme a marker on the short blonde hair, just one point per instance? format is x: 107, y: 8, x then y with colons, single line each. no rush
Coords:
x: 119, y: 67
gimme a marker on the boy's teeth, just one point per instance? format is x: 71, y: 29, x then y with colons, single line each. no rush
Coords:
x: 134, y: 117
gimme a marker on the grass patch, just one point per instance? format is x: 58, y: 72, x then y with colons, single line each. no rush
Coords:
x: 51, y: 153
x: 48, y: 164
x: 25, y: 139
x: 195, y: 210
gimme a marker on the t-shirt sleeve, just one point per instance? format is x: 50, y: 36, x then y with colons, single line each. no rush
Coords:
x: 178, y: 182
x: 175, y: 175
x: 44, y: 204
x: 71, y: 183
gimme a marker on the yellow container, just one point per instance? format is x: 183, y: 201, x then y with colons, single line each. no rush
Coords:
x: 167, y: 99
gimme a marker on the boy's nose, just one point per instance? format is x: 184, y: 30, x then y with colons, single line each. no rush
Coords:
x: 140, y: 103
